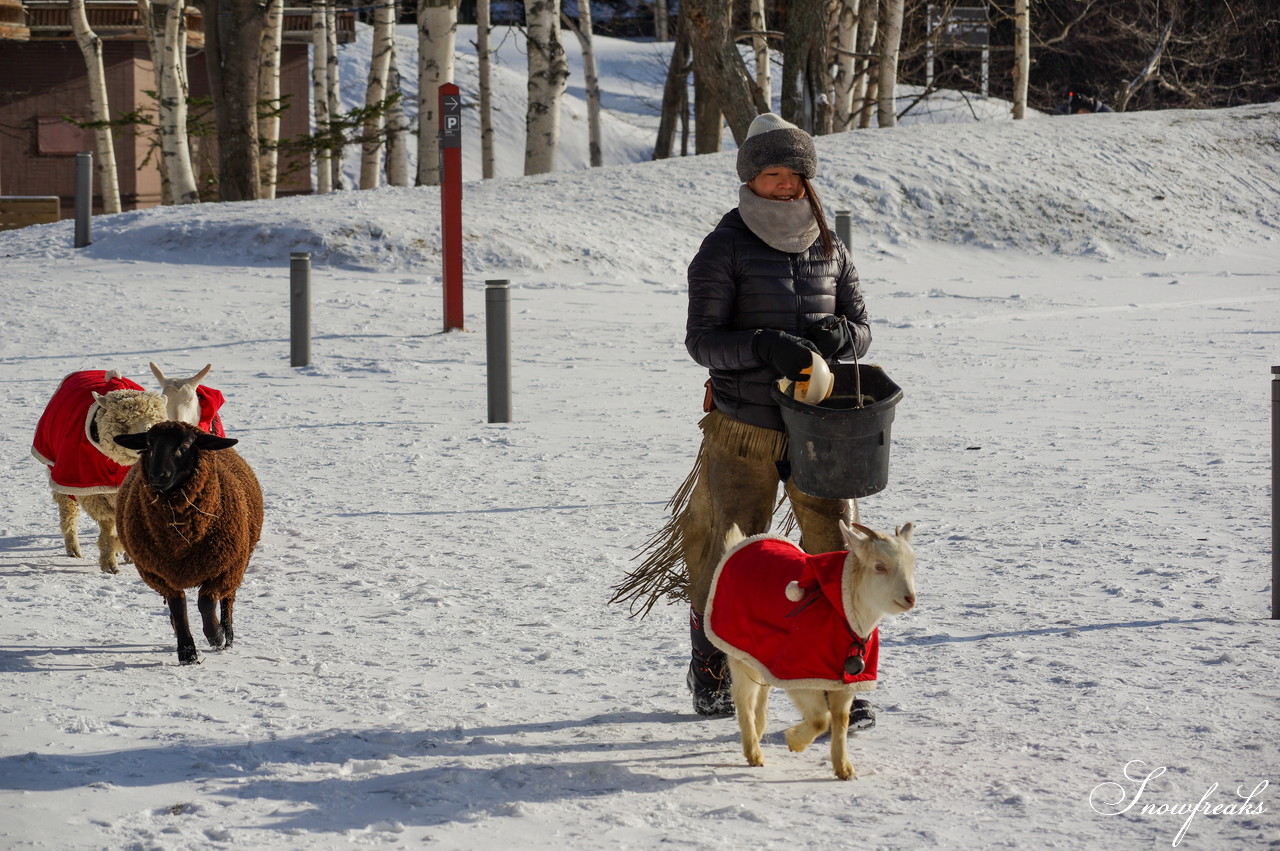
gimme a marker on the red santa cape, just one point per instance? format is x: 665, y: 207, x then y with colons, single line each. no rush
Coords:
x: 76, y: 465
x: 210, y: 402
x: 792, y: 642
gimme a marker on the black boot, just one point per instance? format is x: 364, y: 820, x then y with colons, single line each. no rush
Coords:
x: 862, y: 716
x: 708, y: 676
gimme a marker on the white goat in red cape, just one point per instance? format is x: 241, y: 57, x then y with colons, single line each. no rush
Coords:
x: 807, y: 624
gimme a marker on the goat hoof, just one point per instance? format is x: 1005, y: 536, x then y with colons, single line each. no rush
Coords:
x: 846, y: 772
x: 74, y: 552
x: 110, y: 569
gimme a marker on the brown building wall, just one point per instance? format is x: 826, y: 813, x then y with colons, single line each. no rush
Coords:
x: 42, y: 81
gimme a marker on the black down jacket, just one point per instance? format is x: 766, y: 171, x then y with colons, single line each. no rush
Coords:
x: 738, y: 285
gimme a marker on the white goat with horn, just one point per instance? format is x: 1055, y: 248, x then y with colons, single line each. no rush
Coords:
x: 807, y: 624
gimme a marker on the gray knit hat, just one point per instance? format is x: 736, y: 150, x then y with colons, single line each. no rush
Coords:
x: 771, y: 141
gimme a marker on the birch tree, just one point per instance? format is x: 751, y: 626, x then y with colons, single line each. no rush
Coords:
x: 232, y: 38
x: 269, y: 84
x: 864, y: 90
x: 437, y: 34
x: 155, y: 46
x: 1021, y: 57
x: 486, y: 89
x: 890, y: 37
x: 583, y: 31
x: 760, y: 47
x: 659, y: 20
x: 846, y: 64
x: 91, y: 47
x: 167, y: 43
x: 384, y: 27
x: 397, y: 128
x: 548, y: 78
x: 320, y: 95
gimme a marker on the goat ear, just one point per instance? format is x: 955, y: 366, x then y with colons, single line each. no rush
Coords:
x: 213, y: 442
x: 155, y: 370
x: 136, y: 442
x: 904, y: 532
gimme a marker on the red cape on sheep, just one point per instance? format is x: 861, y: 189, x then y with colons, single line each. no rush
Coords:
x: 62, y: 442
x: 749, y: 613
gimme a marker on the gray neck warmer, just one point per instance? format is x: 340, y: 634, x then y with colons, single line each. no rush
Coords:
x: 788, y: 226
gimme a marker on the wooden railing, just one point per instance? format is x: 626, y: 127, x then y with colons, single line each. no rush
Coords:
x: 113, y: 19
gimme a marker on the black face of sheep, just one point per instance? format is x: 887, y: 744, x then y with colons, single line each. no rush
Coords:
x: 169, y: 455
x: 190, y: 513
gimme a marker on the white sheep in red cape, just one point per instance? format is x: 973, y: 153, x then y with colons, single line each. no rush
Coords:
x: 808, y: 624
x: 190, y: 513
x: 75, y: 440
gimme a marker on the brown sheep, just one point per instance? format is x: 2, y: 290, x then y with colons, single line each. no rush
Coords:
x: 190, y: 513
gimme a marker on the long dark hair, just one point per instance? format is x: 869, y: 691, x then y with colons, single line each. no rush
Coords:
x: 828, y: 244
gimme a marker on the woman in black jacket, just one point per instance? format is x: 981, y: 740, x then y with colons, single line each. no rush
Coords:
x: 767, y: 289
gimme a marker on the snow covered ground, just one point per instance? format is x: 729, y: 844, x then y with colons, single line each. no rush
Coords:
x: 1082, y: 313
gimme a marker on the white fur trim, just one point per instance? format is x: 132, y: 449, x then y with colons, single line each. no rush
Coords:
x: 794, y: 592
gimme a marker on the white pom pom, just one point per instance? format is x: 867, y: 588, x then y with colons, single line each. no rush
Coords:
x: 794, y: 592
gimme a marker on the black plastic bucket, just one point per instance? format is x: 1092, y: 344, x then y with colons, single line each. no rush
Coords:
x: 838, y: 450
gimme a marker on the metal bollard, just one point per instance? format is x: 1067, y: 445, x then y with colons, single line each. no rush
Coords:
x: 84, y: 198
x: 844, y: 227
x: 1275, y: 493
x: 497, y: 326
x: 300, y: 308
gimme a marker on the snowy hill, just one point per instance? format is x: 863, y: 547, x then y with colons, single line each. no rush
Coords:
x: 1082, y: 314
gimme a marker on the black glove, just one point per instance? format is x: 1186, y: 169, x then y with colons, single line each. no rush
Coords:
x: 786, y: 353
x: 830, y: 335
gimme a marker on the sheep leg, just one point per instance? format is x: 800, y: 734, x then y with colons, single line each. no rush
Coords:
x: 213, y: 630
x: 68, y: 515
x: 102, y: 508
x: 228, y: 603
x: 839, y: 703
x: 187, y: 654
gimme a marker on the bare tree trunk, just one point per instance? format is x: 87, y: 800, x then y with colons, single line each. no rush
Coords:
x: 583, y: 31
x: 232, y: 39
x: 486, y: 89
x: 437, y: 34
x: 384, y: 29
x: 864, y: 88
x: 887, y: 84
x: 269, y: 83
x: 397, y: 128
x: 1148, y: 70
x: 719, y: 73
x: 1021, y: 56
x: 806, y: 74
x: 333, y: 87
x: 660, y: 20
x: 708, y: 120
x: 675, y: 94
x: 760, y: 46
x: 320, y: 95
x: 548, y: 78
x: 846, y: 48
x: 91, y: 47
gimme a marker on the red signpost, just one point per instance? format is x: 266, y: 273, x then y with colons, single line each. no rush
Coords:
x: 451, y: 202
